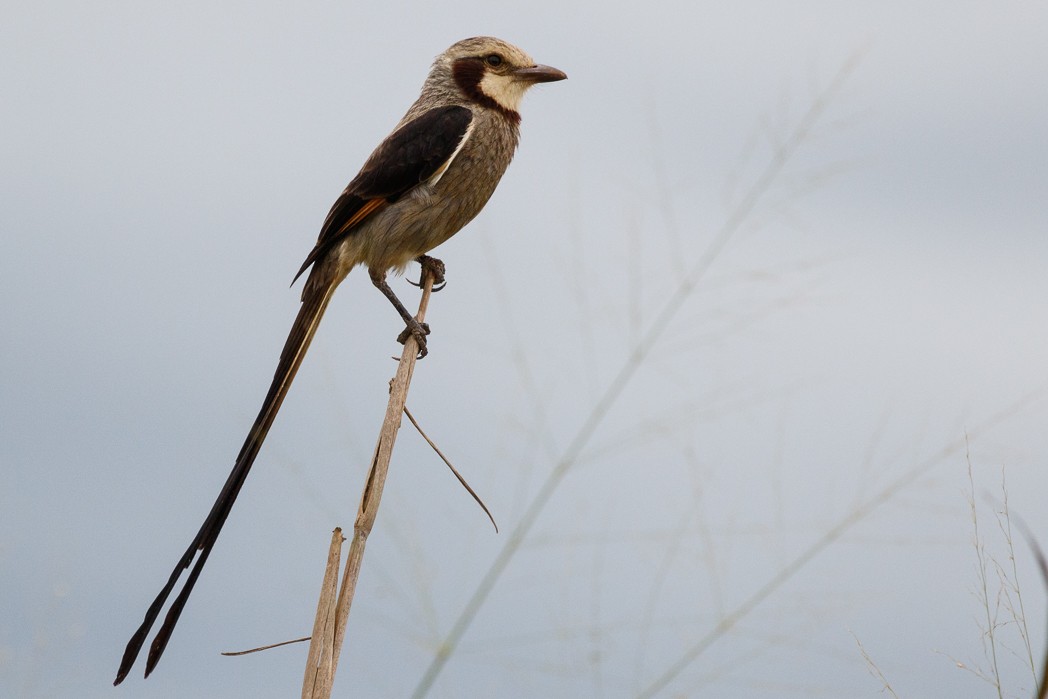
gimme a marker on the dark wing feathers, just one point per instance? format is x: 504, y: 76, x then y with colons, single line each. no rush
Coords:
x: 409, y: 156
x: 412, y: 153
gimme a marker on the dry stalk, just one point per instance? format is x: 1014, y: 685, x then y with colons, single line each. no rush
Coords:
x: 318, y: 679
x: 447, y: 462
x: 331, y: 628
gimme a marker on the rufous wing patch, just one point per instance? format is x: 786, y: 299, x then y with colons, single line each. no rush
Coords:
x: 369, y: 207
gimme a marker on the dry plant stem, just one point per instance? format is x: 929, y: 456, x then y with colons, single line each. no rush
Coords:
x: 249, y: 651
x: 319, y: 668
x: 447, y: 462
x: 373, y: 487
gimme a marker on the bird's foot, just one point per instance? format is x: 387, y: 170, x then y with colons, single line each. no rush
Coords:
x: 435, y: 268
x: 418, y: 331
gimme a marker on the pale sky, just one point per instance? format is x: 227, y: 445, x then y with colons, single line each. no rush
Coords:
x: 880, y: 303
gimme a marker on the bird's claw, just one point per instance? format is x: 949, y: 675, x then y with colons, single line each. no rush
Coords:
x: 418, y: 331
x: 435, y: 267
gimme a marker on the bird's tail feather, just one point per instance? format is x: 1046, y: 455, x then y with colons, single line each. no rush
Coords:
x: 314, y: 303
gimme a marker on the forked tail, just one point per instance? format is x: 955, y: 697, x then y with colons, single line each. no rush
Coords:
x: 309, y: 315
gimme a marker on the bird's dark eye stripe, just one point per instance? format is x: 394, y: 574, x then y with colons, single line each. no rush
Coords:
x: 493, y: 59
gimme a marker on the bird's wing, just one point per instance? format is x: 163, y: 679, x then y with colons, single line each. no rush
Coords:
x: 420, y: 151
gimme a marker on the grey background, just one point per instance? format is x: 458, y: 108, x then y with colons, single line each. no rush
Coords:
x: 166, y: 168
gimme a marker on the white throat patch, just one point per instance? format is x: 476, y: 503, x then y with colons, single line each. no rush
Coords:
x: 504, y: 89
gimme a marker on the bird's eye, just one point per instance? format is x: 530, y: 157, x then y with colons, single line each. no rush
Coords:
x: 494, y: 60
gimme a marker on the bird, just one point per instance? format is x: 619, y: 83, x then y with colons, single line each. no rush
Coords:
x: 430, y: 177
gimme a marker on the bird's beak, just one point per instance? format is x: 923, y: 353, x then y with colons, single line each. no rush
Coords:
x: 539, y: 74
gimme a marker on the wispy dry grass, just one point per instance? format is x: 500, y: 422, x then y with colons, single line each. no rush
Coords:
x: 1003, y: 626
x: 785, y: 142
x: 875, y: 670
x: 783, y: 150
x: 828, y: 537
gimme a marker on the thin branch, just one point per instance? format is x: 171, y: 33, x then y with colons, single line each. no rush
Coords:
x: 458, y: 475
x: 234, y: 653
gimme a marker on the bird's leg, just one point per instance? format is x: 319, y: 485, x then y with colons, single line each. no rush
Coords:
x: 435, y: 267
x: 414, y: 328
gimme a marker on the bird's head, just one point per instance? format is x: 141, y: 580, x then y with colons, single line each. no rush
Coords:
x: 493, y: 73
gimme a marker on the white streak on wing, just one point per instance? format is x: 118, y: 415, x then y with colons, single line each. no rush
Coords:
x: 435, y: 177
